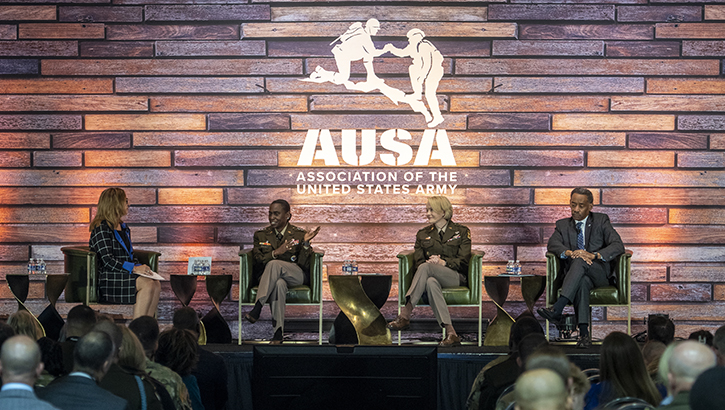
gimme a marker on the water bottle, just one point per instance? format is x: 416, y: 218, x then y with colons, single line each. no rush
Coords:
x: 207, y: 268
x: 346, y: 267
x: 510, y: 267
x: 31, y: 266
x: 197, y: 267
x: 517, y: 268
x: 36, y: 266
x: 353, y: 267
x: 42, y: 267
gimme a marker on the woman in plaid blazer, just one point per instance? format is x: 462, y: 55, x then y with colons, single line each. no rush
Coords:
x: 120, y: 279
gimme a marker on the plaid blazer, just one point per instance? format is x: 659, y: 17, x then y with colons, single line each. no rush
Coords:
x: 114, y: 264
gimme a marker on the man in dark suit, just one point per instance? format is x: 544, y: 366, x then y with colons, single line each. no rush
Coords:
x: 81, y: 320
x: 586, y: 243
x: 282, y: 255
x: 20, y: 366
x: 79, y: 390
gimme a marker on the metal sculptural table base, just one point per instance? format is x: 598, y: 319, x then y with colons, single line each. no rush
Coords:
x: 497, y: 288
x: 360, y: 298
x: 214, y: 329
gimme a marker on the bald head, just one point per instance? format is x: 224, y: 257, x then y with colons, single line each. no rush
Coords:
x: 540, y: 389
x: 20, y: 360
x: 689, y: 359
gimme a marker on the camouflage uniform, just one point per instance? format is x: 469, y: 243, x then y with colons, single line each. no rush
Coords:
x: 172, y: 382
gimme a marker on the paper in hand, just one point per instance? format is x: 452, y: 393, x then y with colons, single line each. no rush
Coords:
x: 152, y: 275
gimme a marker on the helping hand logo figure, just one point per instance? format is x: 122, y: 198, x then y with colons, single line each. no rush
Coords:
x: 426, y: 70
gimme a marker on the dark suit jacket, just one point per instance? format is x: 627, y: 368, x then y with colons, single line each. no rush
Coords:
x: 211, y: 376
x: 23, y: 399
x: 265, y: 242
x: 455, y: 248
x: 600, y: 236
x: 80, y: 393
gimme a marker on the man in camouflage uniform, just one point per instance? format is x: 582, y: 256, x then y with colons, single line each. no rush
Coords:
x: 282, y: 255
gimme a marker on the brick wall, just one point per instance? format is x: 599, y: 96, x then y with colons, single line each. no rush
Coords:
x: 198, y: 112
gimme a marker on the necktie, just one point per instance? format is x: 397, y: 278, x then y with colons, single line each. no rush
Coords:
x: 440, y: 235
x: 279, y: 236
x: 580, y: 236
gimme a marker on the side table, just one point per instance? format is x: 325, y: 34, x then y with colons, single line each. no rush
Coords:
x: 497, y: 288
x: 360, y: 298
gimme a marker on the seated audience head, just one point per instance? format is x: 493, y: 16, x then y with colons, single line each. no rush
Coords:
x: 186, y: 318
x: 689, y: 359
x: 20, y: 360
x: 707, y: 392
x: 114, y: 332
x: 702, y: 336
x: 663, y: 368
x: 718, y: 343
x: 6, y: 332
x: 661, y: 329
x: 524, y: 325
x: 440, y: 205
x: 528, y: 345
x: 93, y: 354
x: 177, y: 350
x: 24, y: 323
x: 81, y: 320
x: 622, y: 367
x: 131, y: 356
x: 146, y: 329
x: 652, y: 352
x: 553, y: 358
x: 540, y: 389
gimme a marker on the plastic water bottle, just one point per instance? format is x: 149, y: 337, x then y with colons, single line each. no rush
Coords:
x: 517, y: 268
x: 42, y: 267
x: 30, y: 266
x: 207, y: 268
x: 510, y: 268
x: 197, y: 267
x: 353, y: 268
x: 346, y: 267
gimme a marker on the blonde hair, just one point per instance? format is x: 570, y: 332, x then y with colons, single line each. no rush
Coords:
x: 131, y: 354
x: 24, y: 323
x: 441, y: 204
x: 111, y: 208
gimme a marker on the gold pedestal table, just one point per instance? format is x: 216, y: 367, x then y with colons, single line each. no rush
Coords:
x: 360, y: 298
x: 497, y: 288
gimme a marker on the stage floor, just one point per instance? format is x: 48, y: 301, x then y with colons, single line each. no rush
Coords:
x: 457, y: 368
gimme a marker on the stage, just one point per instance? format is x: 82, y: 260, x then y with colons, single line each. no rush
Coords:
x: 457, y: 368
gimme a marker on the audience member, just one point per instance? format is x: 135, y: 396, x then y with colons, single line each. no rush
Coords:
x: 6, y: 332
x: 553, y: 358
x: 146, y: 329
x: 718, y: 343
x: 540, y: 389
x: 125, y: 382
x: 663, y: 369
x: 660, y: 329
x: 20, y: 366
x: 500, y: 377
x: 689, y: 360
x: 652, y: 353
x: 707, y: 392
x: 79, y: 390
x: 80, y: 321
x: 24, y: 323
x: 622, y: 373
x: 702, y: 336
x: 523, y: 326
x: 210, y: 372
x: 177, y: 349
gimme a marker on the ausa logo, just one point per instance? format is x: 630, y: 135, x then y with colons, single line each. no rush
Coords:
x: 426, y: 70
x: 389, y: 140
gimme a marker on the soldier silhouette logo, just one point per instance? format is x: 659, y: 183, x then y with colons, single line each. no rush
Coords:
x: 426, y: 70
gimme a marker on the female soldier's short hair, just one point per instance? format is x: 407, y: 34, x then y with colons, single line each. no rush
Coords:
x: 441, y: 204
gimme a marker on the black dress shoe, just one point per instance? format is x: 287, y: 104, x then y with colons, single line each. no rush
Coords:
x: 549, y: 314
x: 584, y: 342
x: 250, y: 318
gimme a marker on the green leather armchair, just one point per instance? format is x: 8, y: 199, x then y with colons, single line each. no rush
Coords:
x: 296, y: 295
x: 457, y: 296
x: 619, y: 295
x: 80, y: 265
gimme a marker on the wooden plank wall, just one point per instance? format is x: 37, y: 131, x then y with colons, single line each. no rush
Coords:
x: 197, y: 111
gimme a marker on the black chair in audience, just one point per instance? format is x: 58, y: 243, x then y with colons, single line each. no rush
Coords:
x: 621, y: 402
x: 636, y: 406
